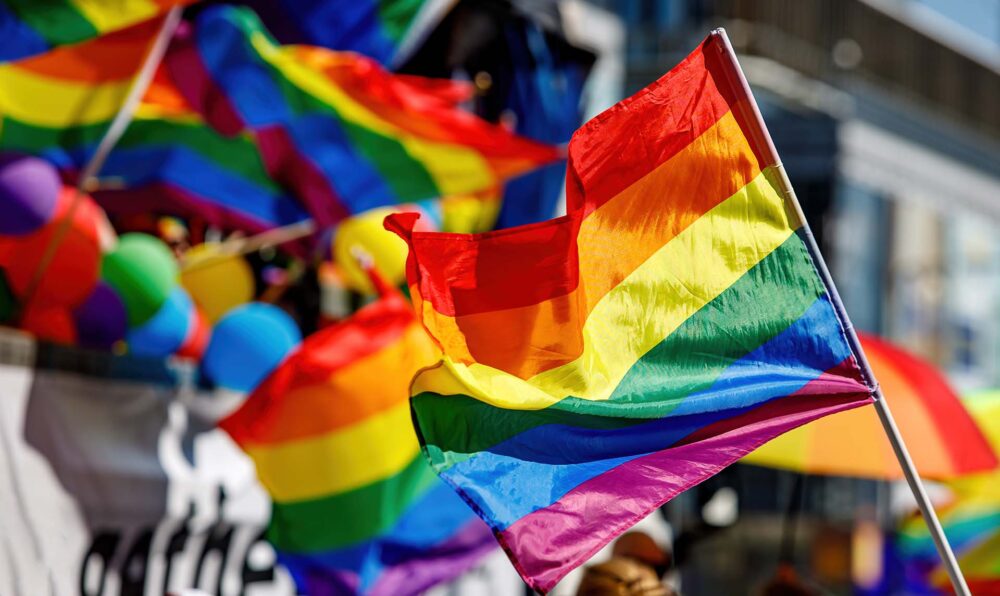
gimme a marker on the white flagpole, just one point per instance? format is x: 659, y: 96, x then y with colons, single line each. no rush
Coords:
x: 766, y: 145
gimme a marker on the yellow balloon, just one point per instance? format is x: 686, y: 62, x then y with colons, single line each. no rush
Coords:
x: 216, y: 282
x: 364, y: 232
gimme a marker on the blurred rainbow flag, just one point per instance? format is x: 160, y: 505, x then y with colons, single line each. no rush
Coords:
x: 375, y: 28
x: 356, y: 507
x: 59, y: 104
x: 337, y: 127
x: 30, y: 27
x: 596, y: 365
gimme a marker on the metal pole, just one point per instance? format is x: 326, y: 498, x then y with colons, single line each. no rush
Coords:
x: 765, y: 146
x: 111, y: 137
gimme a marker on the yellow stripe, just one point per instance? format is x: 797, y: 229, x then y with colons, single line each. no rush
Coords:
x: 654, y: 300
x: 355, y: 456
x: 109, y: 16
x: 455, y: 168
x: 55, y: 103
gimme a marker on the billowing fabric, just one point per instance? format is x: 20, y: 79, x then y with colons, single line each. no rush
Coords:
x: 375, y: 28
x: 30, y: 27
x: 336, y: 127
x: 59, y: 105
x: 598, y: 364
x: 356, y: 507
x: 942, y: 437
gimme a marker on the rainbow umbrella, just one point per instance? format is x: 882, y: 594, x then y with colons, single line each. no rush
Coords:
x: 943, y: 439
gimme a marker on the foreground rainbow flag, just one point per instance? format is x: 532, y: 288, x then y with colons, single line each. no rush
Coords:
x: 58, y: 105
x: 598, y: 364
x: 336, y: 127
x: 30, y: 27
x: 356, y: 507
x: 375, y: 28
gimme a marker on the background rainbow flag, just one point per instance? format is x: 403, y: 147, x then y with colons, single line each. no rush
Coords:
x: 29, y: 27
x: 356, y: 507
x: 58, y: 105
x: 598, y: 364
x: 375, y: 28
x: 336, y: 127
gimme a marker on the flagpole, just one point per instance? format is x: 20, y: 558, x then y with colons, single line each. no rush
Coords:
x: 111, y: 137
x: 764, y: 144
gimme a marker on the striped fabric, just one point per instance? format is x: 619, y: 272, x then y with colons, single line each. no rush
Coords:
x: 338, y: 128
x: 598, y: 364
x: 30, y: 27
x: 943, y: 439
x: 356, y: 508
x: 375, y: 28
x: 59, y: 104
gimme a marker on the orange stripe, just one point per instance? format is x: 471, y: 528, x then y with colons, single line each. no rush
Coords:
x: 347, y: 397
x: 613, y: 241
x: 110, y: 58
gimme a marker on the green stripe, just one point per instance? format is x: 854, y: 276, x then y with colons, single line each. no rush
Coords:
x: 760, y: 305
x: 235, y: 154
x: 56, y: 21
x: 348, y: 518
x: 405, y: 175
x: 397, y: 16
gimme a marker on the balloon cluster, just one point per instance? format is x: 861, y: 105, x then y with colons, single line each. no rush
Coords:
x: 59, y: 282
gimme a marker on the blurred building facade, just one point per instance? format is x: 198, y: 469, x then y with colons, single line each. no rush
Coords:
x: 887, y: 116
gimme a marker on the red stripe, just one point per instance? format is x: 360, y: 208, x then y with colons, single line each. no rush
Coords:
x: 319, y: 357
x: 969, y: 449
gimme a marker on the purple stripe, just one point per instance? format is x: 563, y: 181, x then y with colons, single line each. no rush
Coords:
x: 552, y: 541
x: 193, y: 80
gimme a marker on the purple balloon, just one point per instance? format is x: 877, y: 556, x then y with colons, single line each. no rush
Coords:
x: 101, y: 320
x: 29, y: 190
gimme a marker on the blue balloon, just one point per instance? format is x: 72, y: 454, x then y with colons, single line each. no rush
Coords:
x: 247, y: 344
x: 163, y: 334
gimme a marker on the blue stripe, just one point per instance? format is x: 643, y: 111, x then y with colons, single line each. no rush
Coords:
x: 322, y: 139
x: 187, y: 169
x: 353, y: 26
x: 553, y: 459
x: 235, y: 67
x: 17, y: 38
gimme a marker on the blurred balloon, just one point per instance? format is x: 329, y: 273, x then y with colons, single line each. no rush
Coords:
x: 247, y: 344
x: 73, y: 271
x: 164, y: 333
x: 197, y: 337
x: 364, y: 232
x: 7, y: 301
x: 101, y: 319
x: 143, y: 272
x: 49, y: 323
x: 217, y: 282
x: 29, y: 191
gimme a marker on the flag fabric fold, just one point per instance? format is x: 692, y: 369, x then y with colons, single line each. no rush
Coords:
x: 31, y: 27
x: 336, y: 127
x: 598, y: 364
x: 356, y: 507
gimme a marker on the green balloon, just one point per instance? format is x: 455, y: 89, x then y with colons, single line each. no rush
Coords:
x: 7, y: 301
x: 143, y: 272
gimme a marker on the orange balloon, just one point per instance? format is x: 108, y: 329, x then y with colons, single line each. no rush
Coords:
x: 74, y: 269
x: 49, y: 323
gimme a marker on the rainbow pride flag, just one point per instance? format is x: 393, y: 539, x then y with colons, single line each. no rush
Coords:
x: 59, y: 104
x: 596, y: 365
x: 30, y: 27
x: 356, y: 507
x: 375, y: 28
x: 337, y: 127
